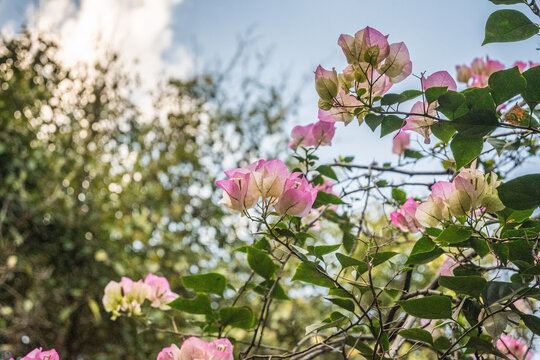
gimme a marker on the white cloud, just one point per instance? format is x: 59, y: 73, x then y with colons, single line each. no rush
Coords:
x: 138, y: 31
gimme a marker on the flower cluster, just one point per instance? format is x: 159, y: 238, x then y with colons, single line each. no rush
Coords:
x: 423, y: 114
x: 481, y: 69
x: 38, y: 354
x: 316, y: 134
x: 197, y: 349
x: 514, y: 347
x: 471, y: 190
x: 374, y: 65
x: 288, y: 193
x: 127, y: 296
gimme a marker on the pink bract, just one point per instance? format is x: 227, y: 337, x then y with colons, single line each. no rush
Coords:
x: 401, y: 142
x: 405, y: 219
x: 38, y: 354
x: 302, y: 136
x: 439, y: 79
x: 160, y: 291
x: 170, y: 353
x: 298, y: 196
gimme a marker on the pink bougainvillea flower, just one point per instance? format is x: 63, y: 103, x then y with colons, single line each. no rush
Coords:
x: 193, y: 349
x: 401, y: 142
x: 464, y: 73
x: 532, y: 64
x: 302, y: 136
x: 520, y: 65
x: 240, y: 193
x: 516, y: 348
x: 317, y: 134
x: 343, y: 109
x: 432, y: 211
x: 355, y: 48
x: 269, y: 177
x: 220, y: 349
x: 380, y: 84
x: 160, y: 291
x: 38, y: 354
x: 297, y: 198
x: 448, y: 266
x: 397, y: 65
x: 326, y: 83
x: 481, y: 70
x: 135, y: 292
x: 420, y: 123
x: 405, y: 219
x: 439, y: 79
x: 170, y: 353
x: 323, y: 133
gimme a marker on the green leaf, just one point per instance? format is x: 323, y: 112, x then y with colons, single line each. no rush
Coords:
x: 479, y: 99
x: 495, y: 291
x: 433, y: 93
x: 452, y: 104
x: 260, y: 262
x: 468, y: 285
x: 238, y: 317
x: 424, y: 251
x: 428, y: 307
x: 373, y: 121
x: 506, y: 84
x: 198, y: 305
x: 390, y: 99
x: 346, y: 304
x: 508, y: 25
x: 483, y: 346
x: 413, y: 154
x: 465, y: 149
x: 375, y: 260
x: 326, y: 199
x: 278, y: 293
x: 399, y: 195
x: 416, y: 334
x: 532, y: 322
x: 321, y: 250
x: 349, y: 241
x: 411, y: 94
x: 476, y: 123
x: 327, y: 171
x: 441, y: 343
x: 206, y: 283
x: 454, y: 234
x: 359, y: 345
x: 521, y: 193
x: 532, y: 93
x: 308, y: 272
x: 347, y: 261
x: 443, y: 131
x: 390, y: 124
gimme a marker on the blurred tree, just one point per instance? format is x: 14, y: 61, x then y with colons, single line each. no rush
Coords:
x: 90, y: 191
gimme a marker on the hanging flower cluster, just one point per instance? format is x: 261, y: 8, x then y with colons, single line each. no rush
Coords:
x: 127, y: 296
x: 374, y: 66
x: 470, y: 191
x: 197, y: 349
x: 288, y: 193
